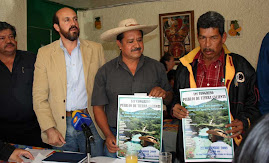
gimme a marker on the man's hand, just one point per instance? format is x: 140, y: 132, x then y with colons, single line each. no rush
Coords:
x: 55, y: 138
x: 158, y: 92
x: 15, y: 156
x: 237, y: 128
x: 180, y: 112
x: 111, y: 144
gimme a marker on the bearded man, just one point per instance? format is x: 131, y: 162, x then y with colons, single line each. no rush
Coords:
x: 63, y: 81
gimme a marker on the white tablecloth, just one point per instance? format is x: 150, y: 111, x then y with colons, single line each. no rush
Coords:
x: 41, y: 154
x: 109, y: 160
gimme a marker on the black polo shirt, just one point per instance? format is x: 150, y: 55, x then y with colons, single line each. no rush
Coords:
x: 5, y: 151
x: 18, y: 123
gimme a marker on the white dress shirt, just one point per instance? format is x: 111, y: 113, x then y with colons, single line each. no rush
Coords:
x: 76, y: 89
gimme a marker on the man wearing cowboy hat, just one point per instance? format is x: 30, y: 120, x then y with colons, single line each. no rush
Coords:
x: 130, y: 73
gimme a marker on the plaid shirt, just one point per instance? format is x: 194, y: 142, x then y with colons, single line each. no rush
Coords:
x: 213, y: 76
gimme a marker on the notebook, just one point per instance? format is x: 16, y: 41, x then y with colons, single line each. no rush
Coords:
x: 65, y: 157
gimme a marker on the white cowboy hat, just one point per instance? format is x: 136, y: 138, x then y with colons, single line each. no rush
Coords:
x: 124, y: 26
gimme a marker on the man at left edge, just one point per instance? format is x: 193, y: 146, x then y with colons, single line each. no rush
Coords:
x: 18, y: 123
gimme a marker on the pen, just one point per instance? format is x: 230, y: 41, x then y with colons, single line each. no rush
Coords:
x: 51, y: 153
x: 25, y: 157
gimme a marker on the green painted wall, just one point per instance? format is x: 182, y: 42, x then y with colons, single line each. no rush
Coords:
x: 40, y: 30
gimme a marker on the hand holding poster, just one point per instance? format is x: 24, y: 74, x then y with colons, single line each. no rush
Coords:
x: 204, y: 129
x: 140, y: 126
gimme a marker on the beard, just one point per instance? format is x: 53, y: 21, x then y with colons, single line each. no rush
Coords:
x: 68, y: 35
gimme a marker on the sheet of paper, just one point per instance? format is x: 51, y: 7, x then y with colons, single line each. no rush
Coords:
x: 136, y: 132
x: 204, y: 136
x: 39, y: 155
x: 38, y: 158
x: 44, y: 152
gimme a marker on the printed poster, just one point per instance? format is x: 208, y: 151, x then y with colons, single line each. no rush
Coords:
x: 140, y: 123
x: 204, y: 129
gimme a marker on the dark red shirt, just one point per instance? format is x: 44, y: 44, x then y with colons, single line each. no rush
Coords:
x: 213, y: 76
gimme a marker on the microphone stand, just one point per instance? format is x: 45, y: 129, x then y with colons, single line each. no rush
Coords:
x: 88, y: 149
x: 89, y: 137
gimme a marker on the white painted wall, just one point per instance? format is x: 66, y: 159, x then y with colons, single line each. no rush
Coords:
x: 253, y: 13
x: 14, y: 12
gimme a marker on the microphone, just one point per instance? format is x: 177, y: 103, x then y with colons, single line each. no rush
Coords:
x: 81, y: 122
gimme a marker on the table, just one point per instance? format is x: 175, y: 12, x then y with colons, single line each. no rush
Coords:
x: 39, y: 153
x: 170, y: 127
x: 109, y: 160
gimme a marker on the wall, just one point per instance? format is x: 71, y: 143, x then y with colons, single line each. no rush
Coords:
x: 39, y: 23
x: 14, y: 13
x: 254, y: 15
